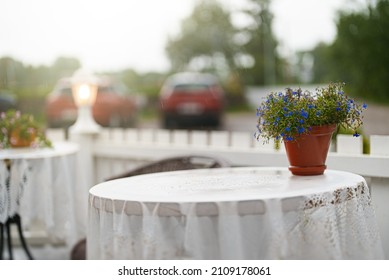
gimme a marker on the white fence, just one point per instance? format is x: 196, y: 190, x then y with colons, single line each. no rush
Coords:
x: 117, y: 150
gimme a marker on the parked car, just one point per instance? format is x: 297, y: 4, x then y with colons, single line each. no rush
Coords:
x: 7, y: 101
x: 114, y: 106
x: 191, y: 99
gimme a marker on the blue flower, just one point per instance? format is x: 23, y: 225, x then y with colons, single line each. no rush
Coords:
x: 356, y: 134
x: 294, y: 111
x: 304, y: 114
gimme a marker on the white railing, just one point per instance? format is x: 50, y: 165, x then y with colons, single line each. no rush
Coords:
x: 117, y: 150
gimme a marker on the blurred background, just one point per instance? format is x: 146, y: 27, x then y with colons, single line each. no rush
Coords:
x: 251, y: 46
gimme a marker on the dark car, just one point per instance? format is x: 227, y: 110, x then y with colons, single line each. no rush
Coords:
x: 7, y: 102
x: 191, y: 99
x: 114, y: 106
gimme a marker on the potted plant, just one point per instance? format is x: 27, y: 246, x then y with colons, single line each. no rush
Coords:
x: 20, y: 130
x: 305, y: 122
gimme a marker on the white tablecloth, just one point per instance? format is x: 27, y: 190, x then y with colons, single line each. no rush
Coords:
x: 41, y: 186
x: 233, y: 213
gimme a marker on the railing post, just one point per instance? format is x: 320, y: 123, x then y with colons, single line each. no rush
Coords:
x: 379, y: 146
x: 85, y: 172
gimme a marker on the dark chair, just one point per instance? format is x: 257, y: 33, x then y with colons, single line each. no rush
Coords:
x: 174, y: 164
x: 168, y: 164
x: 79, y: 250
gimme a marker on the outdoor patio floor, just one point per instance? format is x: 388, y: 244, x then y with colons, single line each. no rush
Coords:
x: 39, y: 253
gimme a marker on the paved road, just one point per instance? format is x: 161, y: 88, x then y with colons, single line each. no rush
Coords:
x: 376, y: 120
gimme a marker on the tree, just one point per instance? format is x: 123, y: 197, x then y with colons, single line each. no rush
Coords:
x: 147, y: 83
x: 209, y: 41
x: 205, y: 41
x: 64, y: 67
x: 359, y: 53
x: 261, y: 45
x: 11, y: 72
x: 322, y: 63
x: 267, y: 68
x: 28, y: 80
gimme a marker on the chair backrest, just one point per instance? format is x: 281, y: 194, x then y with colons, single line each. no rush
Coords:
x: 176, y: 163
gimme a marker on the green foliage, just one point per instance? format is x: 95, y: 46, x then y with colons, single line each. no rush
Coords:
x: 26, y: 80
x: 208, y: 41
x: 322, y: 64
x: 205, y: 42
x: 293, y: 113
x: 147, y: 84
x: 261, y: 46
x: 359, y: 53
x: 64, y: 67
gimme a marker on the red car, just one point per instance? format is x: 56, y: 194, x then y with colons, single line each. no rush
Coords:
x: 114, y: 107
x: 191, y: 99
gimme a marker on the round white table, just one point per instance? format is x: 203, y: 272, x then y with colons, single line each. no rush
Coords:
x: 39, y: 185
x: 233, y: 213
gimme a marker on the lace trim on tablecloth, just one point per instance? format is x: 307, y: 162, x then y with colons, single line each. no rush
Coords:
x: 344, y: 222
x: 13, y: 180
x: 334, y: 225
x: 360, y: 191
x: 4, y: 192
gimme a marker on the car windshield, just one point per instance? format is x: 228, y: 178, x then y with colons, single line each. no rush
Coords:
x: 105, y: 89
x: 190, y: 87
x: 66, y: 92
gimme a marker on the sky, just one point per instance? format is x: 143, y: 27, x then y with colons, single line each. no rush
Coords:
x: 112, y: 35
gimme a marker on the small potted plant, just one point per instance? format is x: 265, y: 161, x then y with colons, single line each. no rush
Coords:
x: 305, y: 122
x: 20, y: 130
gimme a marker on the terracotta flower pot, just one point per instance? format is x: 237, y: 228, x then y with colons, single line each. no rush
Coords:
x: 308, y: 153
x: 18, y: 142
